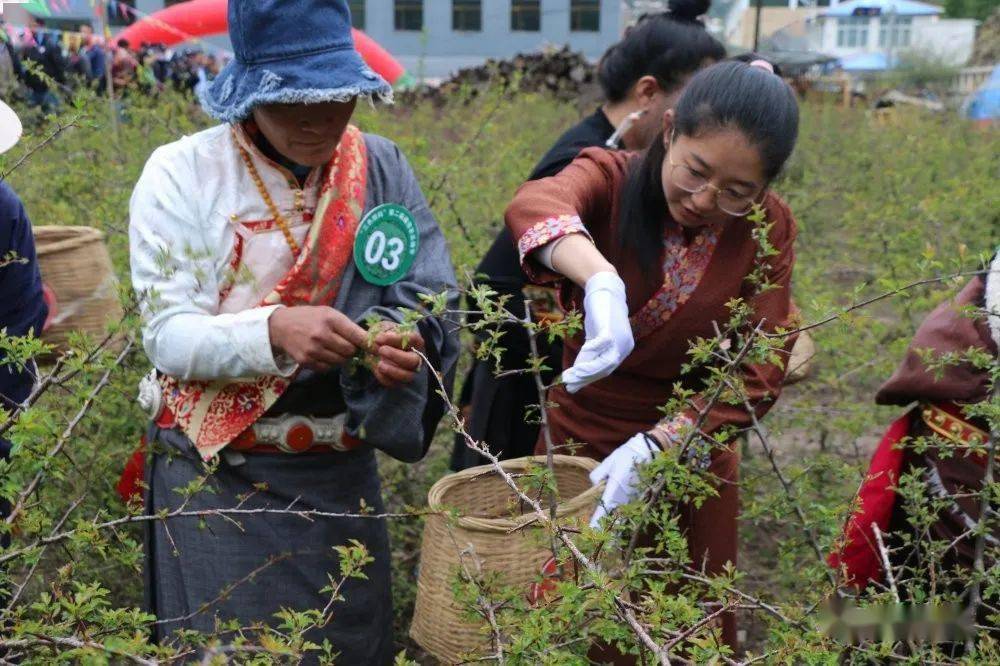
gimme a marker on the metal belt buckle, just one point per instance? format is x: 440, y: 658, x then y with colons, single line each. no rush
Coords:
x: 296, y: 434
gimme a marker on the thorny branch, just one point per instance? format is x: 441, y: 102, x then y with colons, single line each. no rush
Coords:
x: 307, y: 515
x: 73, y: 644
x: 985, y: 509
x: 484, y: 605
x: 61, y: 442
x: 695, y: 432
x: 871, y: 301
x: 60, y: 128
x: 543, y: 412
x: 765, y: 443
x: 53, y: 379
x: 886, y: 564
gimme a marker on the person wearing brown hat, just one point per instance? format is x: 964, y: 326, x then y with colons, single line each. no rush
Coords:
x: 940, y: 440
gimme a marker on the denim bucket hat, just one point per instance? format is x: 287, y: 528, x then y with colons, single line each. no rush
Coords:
x: 290, y: 52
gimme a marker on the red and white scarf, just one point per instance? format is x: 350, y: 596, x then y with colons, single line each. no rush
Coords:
x: 213, y: 413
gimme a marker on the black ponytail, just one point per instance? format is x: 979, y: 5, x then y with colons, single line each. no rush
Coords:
x: 727, y: 95
x: 643, y: 207
x: 669, y: 46
x: 688, y: 10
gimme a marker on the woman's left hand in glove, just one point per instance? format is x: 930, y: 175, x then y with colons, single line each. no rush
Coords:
x: 621, y: 471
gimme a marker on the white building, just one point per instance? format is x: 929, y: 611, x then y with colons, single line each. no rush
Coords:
x: 881, y: 30
x: 873, y: 31
x: 435, y: 37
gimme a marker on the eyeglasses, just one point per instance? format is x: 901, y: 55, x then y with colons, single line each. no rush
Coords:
x: 691, y: 182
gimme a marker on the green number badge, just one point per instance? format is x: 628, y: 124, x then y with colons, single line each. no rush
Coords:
x: 386, y: 244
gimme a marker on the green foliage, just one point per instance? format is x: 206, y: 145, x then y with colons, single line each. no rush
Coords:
x: 921, y: 71
x: 975, y: 9
x: 878, y: 207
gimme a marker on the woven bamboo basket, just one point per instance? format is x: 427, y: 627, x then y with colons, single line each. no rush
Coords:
x: 76, y: 266
x: 488, y: 527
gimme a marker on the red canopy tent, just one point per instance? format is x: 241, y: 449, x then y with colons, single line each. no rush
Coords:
x: 202, y: 18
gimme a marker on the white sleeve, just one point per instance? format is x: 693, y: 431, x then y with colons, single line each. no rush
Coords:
x: 175, y: 276
x: 543, y: 255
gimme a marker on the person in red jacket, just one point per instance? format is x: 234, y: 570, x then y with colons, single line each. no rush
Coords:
x: 953, y: 466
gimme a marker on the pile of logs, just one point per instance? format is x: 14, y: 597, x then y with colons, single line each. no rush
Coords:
x: 562, y: 72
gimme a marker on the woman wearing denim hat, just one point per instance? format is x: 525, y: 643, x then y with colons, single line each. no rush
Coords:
x: 262, y: 250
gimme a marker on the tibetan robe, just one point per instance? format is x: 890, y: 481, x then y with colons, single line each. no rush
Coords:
x: 681, y: 302
x: 210, y: 264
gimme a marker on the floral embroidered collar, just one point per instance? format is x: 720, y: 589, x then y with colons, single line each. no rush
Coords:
x: 684, y: 266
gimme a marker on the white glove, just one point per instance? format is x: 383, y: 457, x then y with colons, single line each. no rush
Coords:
x: 609, y: 333
x: 621, y: 471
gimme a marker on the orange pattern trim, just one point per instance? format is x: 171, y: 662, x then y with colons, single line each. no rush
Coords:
x: 951, y: 427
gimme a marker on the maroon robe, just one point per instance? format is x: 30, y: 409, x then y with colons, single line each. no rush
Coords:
x: 669, y: 311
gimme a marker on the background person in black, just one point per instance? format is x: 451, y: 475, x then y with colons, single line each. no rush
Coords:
x: 641, y: 77
x: 45, y: 51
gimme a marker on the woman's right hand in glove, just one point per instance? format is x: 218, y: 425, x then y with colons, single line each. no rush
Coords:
x: 609, y: 333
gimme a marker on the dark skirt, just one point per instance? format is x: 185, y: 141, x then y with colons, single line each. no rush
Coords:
x: 191, y: 563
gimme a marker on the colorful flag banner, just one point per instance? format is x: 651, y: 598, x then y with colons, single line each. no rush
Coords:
x: 38, y: 8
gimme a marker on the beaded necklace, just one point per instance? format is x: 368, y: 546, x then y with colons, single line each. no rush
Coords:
x: 266, y: 196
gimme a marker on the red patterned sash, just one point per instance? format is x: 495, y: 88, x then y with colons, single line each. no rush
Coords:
x: 213, y: 413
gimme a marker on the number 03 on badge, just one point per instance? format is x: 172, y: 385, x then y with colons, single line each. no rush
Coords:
x: 386, y: 244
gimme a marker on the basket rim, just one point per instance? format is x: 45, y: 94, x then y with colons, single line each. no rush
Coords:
x: 80, y: 235
x: 506, y: 525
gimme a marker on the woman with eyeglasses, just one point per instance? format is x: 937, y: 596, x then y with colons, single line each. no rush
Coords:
x: 652, y: 247
x: 641, y: 76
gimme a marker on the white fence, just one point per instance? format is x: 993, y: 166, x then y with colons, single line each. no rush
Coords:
x: 970, y: 78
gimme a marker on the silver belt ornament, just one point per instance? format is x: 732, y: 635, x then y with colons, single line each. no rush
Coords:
x: 277, y: 431
x: 270, y: 431
x: 150, y: 396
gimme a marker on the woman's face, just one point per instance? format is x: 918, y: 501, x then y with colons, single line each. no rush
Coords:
x: 722, y: 158
x: 307, y: 134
